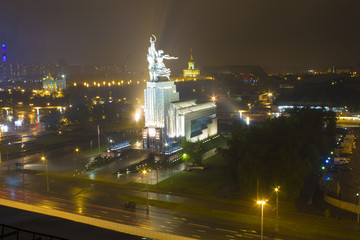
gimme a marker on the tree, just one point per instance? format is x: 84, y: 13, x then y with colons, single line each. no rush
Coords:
x: 78, y: 114
x: 281, y: 151
x: 192, y: 152
x: 52, y: 120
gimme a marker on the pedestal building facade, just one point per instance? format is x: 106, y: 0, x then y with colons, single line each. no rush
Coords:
x: 158, y: 98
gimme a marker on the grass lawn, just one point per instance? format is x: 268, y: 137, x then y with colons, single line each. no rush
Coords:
x: 51, y: 140
x: 123, y: 126
x: 198, y: 182
x: 9, y: 149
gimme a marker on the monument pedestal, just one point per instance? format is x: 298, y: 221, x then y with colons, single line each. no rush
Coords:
x: 158, y: 98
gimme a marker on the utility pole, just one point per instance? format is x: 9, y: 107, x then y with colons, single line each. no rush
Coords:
x: 22, y: 161
x: 277, y: 209
x: 358, y: 207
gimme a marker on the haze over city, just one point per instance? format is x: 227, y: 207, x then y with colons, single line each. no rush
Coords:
x: 165, y: 119
x: 273, y: 34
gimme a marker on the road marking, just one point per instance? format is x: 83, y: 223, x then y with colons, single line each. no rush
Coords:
x: 199, y: 225
x: 200, y: 230
x: 196, y: 236
x: 147, y: 228
x: 179, y: 221
x: 250, y: 234
x: 239, y: 235
x: 221, y: 229
x: 246, y: 236
x: 229, y: 236
x: 126, y: 216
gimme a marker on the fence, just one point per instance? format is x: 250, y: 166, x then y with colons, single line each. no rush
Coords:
x: 341, y: 204
x: 9, y: 232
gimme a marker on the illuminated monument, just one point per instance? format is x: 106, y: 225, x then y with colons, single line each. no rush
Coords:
x: 168, y: 120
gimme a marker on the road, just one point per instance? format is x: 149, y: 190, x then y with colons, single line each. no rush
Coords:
x: 103, y: 202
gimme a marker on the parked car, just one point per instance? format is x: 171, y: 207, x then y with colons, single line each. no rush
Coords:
x: 341, y: 160
x: 19, y: 165
x: 129, y: 204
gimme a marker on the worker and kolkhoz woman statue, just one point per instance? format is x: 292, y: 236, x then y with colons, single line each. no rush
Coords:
x: 155, y: 58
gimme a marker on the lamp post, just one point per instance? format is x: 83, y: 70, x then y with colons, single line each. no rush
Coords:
x: 358, y: 207
x: 47, y: 175
x: 22, y: 161
x: 75, y: 161
x: 147, y: 191
x: 262, y: 202
x: 277, y: 209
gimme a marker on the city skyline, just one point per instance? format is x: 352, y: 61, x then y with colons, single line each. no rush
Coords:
x: 278, y: 34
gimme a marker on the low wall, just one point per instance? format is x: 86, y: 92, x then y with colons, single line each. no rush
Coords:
x: 92, y: 221
x: 341, y: 204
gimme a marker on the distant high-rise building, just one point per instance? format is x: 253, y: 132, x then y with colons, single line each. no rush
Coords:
x: 3, y: 46
x: 191, y: 71
x: 3, y: 66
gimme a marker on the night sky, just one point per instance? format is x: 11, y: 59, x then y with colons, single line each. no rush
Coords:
x: 270, y: 33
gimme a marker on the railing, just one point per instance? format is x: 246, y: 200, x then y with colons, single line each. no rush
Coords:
x: 342, y: 204
x: 9, y: 232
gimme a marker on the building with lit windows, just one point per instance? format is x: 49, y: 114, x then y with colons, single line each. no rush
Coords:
x: 54, y: 85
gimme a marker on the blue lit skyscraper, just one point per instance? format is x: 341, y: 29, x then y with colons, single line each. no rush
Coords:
x: 3, y: 47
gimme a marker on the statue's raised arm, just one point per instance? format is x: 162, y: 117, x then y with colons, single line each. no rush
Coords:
x: 151, y: 57
x: 152, y: 46
x: 169, y: 57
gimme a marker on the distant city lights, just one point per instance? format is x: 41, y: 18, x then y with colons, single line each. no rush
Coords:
x: 18, y: 123
x: 4, y: 128
x: 137, y: 115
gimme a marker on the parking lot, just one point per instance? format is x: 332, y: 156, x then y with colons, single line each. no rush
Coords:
x: 343, y: 177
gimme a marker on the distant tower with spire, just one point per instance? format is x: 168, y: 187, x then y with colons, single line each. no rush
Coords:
x: 191, y: 72
x: 4, y: 68
x: 3, y: 51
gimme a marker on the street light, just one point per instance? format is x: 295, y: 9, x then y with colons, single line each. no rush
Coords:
x: 358, y: 206
x: 262, y: 202
x: 277, y: 209
x: 47, y: 175
x: 147, y: 191
x: 75, y: 161
x: 137, y: 116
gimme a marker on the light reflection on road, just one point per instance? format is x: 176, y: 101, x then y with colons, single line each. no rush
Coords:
x: 155, y: 221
